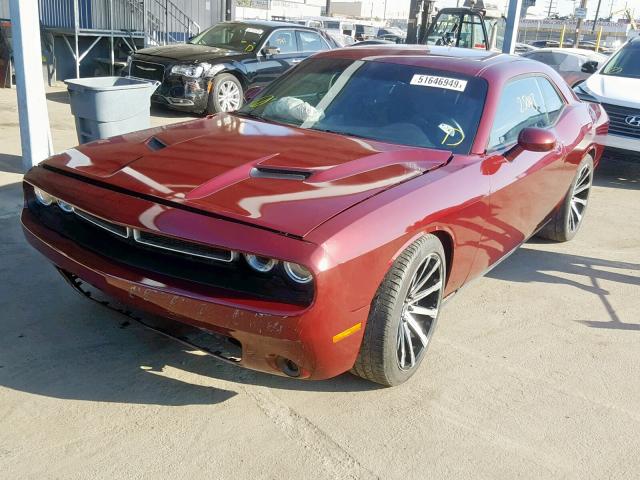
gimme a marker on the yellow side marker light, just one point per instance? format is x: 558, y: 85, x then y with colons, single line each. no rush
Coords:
x: 349, y: 331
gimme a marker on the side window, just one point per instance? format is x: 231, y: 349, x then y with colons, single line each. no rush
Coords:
x: 520, y: 106
x: 311, y: 42
x: 285, y: 40
x: 552, y: 101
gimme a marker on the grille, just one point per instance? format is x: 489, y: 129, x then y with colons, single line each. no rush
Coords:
x: 147, y: 70
x: 618, y: 125
x: 179, y: 246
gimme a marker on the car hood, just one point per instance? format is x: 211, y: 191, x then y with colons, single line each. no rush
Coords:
x: 273, y: 176
x: 616, y: 90
x: 188, y: 52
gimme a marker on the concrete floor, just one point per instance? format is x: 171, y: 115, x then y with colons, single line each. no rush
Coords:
x: 534, y: 372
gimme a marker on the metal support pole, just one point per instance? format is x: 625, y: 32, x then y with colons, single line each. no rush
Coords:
x: 576, y: 38
x: 111, y: 38
x: 511, y: 30
x: 327, y: 9
x: 166, y: 22
x: 145, y: 24
x: 35, y: 134
x: 76, y: 33
x: 595, y: 20
x: 412, y: 25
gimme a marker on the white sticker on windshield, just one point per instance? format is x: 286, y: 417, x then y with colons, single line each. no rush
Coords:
x: 448, y: 129
x: 439, y: 82
x: 257, y: 31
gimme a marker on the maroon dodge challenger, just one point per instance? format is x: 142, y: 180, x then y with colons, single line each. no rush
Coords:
x: 318, y: 229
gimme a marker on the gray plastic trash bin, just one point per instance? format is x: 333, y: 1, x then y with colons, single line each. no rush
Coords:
x: 108, y: 106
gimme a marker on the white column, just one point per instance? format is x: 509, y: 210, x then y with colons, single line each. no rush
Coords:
x: 35, y: 135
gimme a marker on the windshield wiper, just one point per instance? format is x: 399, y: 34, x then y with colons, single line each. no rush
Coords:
x: 246, y: 114
x: 337, y: 132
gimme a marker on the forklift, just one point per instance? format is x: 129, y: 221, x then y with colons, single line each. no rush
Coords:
x: 473, y: 25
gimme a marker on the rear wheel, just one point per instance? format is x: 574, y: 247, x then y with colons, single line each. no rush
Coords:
x: 226, y: 94
x: 566, y: 222
x: 403, y: 315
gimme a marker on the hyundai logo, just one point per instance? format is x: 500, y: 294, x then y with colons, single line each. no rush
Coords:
x: 633, y: 120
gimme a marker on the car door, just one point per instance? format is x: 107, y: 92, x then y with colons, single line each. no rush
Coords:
x: 525, y: 185
x: 277, y: 55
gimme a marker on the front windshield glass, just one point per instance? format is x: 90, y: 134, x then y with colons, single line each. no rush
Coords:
x: 232, y: 36
x: 379, y: 101
x: 625, y: 63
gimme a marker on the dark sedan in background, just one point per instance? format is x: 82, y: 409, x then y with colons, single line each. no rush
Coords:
x: 575, y: 65
x: 213, y: 70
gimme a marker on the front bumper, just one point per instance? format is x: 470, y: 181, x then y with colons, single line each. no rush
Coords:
x: 265, y: 337
x: 620, y: 142
x: 182, y: 93
x: 268, y: 331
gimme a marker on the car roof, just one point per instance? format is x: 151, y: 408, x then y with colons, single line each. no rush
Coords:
x: 268, y: 24
x: 466, y: 61
x: 635, y: 42
x: 568, y: 51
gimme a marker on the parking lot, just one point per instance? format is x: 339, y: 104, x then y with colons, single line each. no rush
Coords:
x: 533, y: 371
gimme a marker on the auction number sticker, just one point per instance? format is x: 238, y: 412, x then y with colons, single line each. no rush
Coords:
x: 439, y: 82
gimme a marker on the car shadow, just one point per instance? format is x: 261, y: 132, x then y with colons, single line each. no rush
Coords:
x: 165, y: 112
x: 58, y: 97
x: 529, y: 265
x: 617, y: 172
x: 10, y: 163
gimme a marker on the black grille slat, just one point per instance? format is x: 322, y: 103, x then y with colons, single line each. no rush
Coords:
x: 180, y: 246
x: 617, y: 123
x: 147, y: 70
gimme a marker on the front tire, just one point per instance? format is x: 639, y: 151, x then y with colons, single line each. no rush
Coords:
x: 403, y: 315
x: 566, y: 222
x: 226, y: 94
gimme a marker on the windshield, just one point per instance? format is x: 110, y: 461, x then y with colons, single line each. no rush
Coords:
x: 233, y: 36
x: 625, y: 63
x: 379, y: 101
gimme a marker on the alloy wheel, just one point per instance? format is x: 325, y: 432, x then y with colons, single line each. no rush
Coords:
x: 228, y: 96
x: 579, y: 197
x: 419, y: 312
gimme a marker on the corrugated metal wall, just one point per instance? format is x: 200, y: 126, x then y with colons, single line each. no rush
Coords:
x: 204, y: 12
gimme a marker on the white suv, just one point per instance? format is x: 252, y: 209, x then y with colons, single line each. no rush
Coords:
x: 616, y: 85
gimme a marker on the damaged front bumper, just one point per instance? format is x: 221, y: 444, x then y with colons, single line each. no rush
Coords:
x: 183, y: 93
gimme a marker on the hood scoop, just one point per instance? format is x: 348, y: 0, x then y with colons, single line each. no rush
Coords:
x: 280, y: 174
x: 154, y: 144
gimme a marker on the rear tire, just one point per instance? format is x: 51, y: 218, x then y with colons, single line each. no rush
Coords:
x: 403, y: 314
x: 226, y: 94
x: 566, y: 221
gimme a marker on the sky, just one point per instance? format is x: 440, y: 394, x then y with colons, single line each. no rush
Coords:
x: 400, y: 8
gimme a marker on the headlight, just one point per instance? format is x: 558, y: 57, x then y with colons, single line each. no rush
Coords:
x: 43, y: 197
x: 64, y: 206
x: 260, y: 264
x: 584, y: 95
x: 297, y: 273
x: 188, y: 70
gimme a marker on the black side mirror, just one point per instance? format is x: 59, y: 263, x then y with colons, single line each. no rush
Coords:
x: 269, y: 50
x: 590, y: 67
